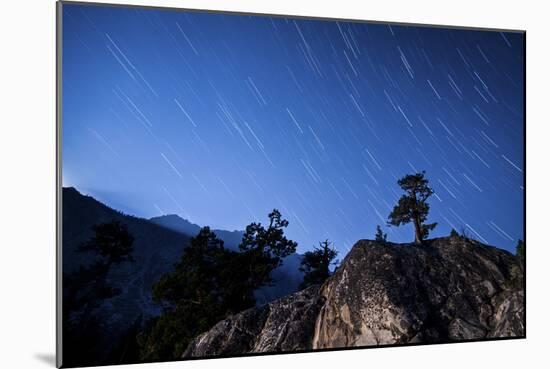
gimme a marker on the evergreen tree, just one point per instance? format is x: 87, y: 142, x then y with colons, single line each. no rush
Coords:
x: 209, y: 283
x: 380, y: 236
x: 196, y: 276
x: 263, y: 249
x: 454, y: 233
x: 316, y: 264
x: 111, y: 242
x: 413, y: 205
x: 86, y: 289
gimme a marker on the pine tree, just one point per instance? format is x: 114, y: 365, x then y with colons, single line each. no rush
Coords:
x: 413, y: 205
x: 87, y: 288
x: 194, y: 296
x: 263, y: 248
x: 112, y: 242
x: 209, y: 283
x: 316, y: 264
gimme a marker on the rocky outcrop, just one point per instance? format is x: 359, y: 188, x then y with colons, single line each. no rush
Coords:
x: 448, y: 289
x: 286, y: 324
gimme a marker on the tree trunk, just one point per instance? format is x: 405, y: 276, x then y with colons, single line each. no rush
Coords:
x: 417, y: 231
x: 417, y: 223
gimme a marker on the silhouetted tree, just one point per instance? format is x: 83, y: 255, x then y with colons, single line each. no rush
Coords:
x: 209, y: 283
x: 454, y: 233
x: 193, y: 297
x: 263, y: 249
x: 196, y: 276
x: 111, y: 242
x: 87, y: 288
x: 413, y: 205
x: 316, y: 264
x: 380, y: 236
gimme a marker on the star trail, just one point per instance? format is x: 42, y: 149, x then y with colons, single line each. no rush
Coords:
x: 220, y: 118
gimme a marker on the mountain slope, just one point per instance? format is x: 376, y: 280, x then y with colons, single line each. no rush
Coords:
x: 449, y: 289
x: 158, y: 244
x: 156, y: 249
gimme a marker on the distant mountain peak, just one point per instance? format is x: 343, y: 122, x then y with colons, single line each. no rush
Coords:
x: 174, y: 222
x: 170, y: 216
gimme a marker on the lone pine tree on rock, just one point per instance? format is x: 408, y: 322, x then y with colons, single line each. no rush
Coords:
x: 413, y: 205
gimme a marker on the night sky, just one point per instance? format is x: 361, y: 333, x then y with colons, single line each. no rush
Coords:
x: 220, y: 118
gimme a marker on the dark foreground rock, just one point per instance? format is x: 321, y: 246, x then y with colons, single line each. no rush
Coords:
x: 286, y: 324
x: 449, y: 289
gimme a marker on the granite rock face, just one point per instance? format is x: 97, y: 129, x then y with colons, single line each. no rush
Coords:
x: 286, y: 324
x: 448, y: 289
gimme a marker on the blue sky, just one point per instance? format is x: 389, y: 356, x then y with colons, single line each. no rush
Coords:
x: 220, y: 118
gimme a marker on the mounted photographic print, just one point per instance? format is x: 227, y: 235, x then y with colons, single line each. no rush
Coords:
x: 236, y: 184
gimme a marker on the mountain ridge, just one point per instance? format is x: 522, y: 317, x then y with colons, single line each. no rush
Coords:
x: 176, y: 223
x: 287, y: 277
x: 156, y: 248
